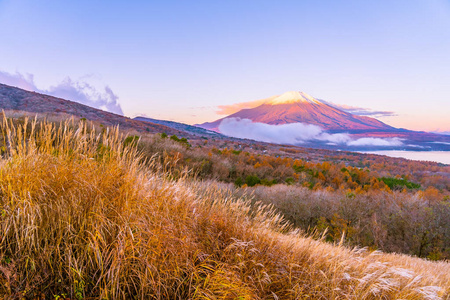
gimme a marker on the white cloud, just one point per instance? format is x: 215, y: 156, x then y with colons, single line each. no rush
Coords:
x: 78, y: 91
x: 295, y: 133
x: 87, y: 94
x: 285, y: 134
x: 376, y: 142
x: 19, y: 80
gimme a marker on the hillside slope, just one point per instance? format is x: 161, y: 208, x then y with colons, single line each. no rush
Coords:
x: 182, y: 127
x: 82, y: 218
x: 12, y: 98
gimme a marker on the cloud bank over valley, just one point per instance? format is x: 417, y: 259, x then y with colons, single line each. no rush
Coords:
x: 296, y: 134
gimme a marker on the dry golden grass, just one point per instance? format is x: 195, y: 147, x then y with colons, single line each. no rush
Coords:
x: 83, y: 217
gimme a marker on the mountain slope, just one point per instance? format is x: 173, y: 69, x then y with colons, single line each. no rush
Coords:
x: 298, y: 107
x: 182, y: 127
x: 13, y: 98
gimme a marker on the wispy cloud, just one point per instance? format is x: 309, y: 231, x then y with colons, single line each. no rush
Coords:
x: 361, y: 111
x: 74, y: 90
x: 232, y: 108
x: 295, y: 133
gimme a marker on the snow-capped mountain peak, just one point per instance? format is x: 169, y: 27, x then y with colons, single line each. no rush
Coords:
x: 299, y: 107
x: 292, y: 97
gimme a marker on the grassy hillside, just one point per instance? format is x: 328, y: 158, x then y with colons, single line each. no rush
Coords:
x: 84, y: 216
x: 382, y: 203
x: 14, y: 99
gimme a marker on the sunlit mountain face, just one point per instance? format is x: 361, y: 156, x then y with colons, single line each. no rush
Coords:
x: 299, y: 107
x: 300, y: 119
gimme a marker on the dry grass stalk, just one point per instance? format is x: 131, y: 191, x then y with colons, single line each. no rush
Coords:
x: 83, y: 217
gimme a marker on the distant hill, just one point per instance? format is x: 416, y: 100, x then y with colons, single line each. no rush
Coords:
x: 182, y: 127
x: 13, y: 98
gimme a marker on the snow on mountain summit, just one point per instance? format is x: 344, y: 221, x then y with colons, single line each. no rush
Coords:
x: 292, y: 97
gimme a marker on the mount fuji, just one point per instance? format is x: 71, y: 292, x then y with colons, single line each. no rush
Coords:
x: 300, y: 119
x: 299, y: 107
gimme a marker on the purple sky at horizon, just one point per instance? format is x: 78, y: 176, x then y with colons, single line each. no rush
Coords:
x: 181, y: 60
